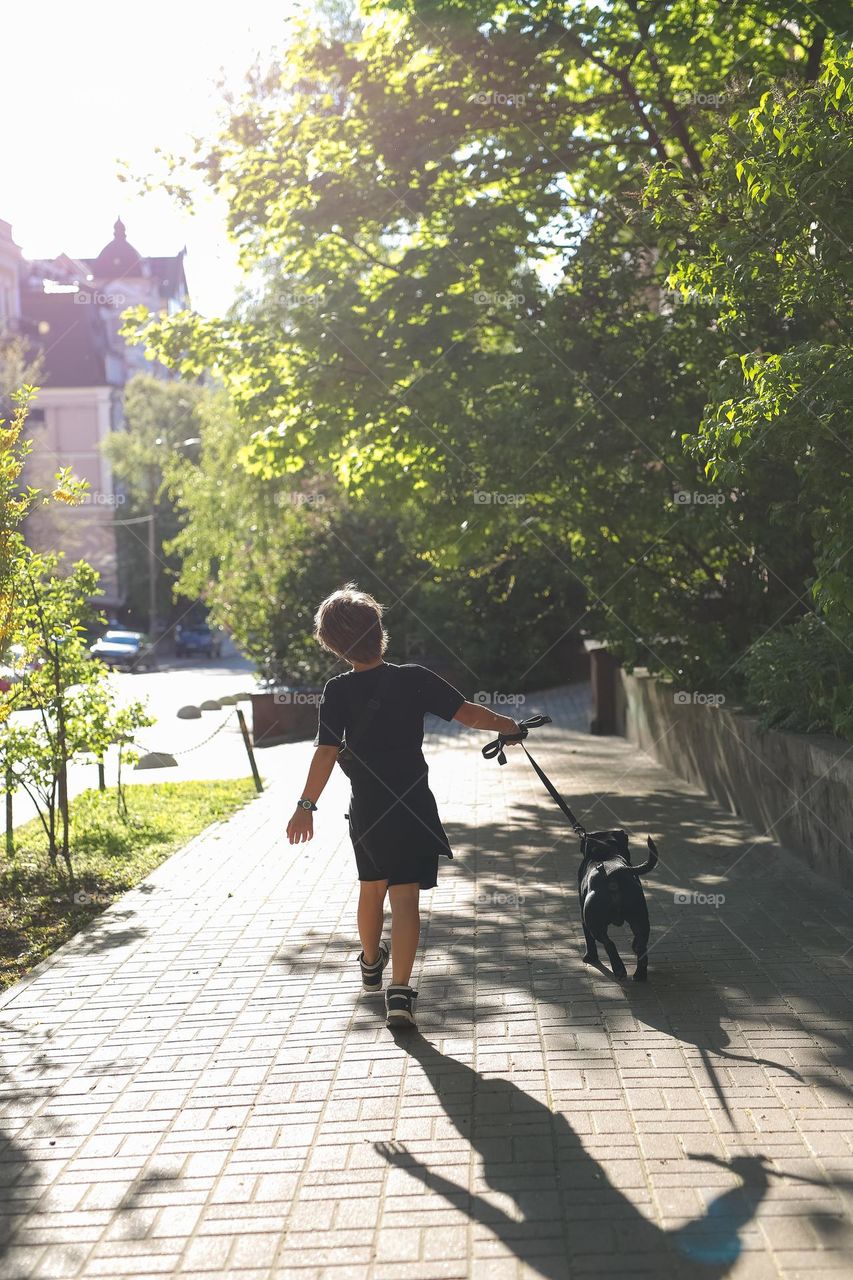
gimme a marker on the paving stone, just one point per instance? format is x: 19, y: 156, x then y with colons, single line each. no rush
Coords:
x: 209, y: 1096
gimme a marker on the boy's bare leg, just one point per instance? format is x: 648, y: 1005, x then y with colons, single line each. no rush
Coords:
x: 371, y: 914
x: 405, y: 930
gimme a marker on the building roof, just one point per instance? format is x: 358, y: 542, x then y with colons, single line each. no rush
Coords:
x: 118, y: 258
x: 77, y: 329
x: 169, y: 275
x: 73, y: 337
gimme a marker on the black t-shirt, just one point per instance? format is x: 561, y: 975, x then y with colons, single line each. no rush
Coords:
x: 406, y: 693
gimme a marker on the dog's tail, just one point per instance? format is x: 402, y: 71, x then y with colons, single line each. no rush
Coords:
x: 651, y: 862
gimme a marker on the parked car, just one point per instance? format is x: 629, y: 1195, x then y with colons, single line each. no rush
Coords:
x: 124, y: 650
x: 197, y: 638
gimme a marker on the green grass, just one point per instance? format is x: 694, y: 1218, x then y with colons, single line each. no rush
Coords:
x: 40, y: 909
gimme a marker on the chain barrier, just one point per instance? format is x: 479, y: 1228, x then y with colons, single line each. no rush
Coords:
x: 188, y: 750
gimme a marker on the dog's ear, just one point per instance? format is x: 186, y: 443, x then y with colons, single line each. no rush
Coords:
x: 620, y: 839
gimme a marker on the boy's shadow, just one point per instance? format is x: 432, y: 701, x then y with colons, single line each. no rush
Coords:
x: 565, y: 1214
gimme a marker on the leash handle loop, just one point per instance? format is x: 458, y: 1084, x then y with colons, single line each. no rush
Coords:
x: 496, y: 748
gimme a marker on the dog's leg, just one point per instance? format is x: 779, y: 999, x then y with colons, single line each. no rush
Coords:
x: 619, y: 970
x: 591, y: 954
x: 641, y: 929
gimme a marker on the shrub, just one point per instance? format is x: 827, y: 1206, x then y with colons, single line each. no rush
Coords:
x: 801, y: 678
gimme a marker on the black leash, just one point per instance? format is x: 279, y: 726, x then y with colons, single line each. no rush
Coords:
x: 496, y: 748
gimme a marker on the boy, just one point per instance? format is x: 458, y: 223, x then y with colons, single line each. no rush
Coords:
x: 394, y: 824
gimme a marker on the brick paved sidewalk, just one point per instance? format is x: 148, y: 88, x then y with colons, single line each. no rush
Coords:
x: 194, y: 1087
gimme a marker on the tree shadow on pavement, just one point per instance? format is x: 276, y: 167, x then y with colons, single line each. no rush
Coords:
x: 692, y: 1012
x: 713, y: 968
x: 18, y: 1171
x: 706, y: 990
x: 566, y: 1219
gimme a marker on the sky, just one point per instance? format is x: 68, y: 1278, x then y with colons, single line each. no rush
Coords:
x: 89, y: 83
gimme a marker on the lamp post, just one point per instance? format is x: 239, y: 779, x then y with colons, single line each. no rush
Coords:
x: 153, y: 620
x: 151, y: 539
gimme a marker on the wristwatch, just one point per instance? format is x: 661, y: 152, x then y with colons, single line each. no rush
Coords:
x: 306, y: 804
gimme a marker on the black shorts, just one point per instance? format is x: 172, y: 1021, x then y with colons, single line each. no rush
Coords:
x: 395, y: 829
x: 407, y: 869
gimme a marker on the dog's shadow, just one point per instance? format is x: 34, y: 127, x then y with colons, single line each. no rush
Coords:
x: 564, y: 1214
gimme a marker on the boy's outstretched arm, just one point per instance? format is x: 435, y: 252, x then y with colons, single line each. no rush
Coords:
x: 475, y: 716
x: 301, y: 825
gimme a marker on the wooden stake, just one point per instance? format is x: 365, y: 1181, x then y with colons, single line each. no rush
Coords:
x: 259, y: 786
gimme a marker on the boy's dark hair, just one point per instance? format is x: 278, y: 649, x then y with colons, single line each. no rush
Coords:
x: 349, y: 624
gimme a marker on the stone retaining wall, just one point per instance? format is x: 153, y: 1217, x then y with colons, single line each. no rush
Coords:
x: 797, y: 788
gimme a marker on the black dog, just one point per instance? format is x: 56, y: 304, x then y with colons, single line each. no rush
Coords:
x: 610, y: 894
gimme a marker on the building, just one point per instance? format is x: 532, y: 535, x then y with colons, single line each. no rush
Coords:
x: 68, y: 311
x: 11, y: 260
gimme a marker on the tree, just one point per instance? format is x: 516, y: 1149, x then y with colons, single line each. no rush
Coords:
x: 69, y: 704
x: 263, y: 551
x: 20, y: 369
x: 463, y: 296
x: 761, y: 239
x: 161, y: 419
x: 13, y: 507
x: 15, y: 504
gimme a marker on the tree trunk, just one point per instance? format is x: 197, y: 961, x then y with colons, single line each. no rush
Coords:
x: 815, y: 55
x: 10, y: 837
x: 121, y: 802
x: 63, y: 797
x: 51, y: 824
